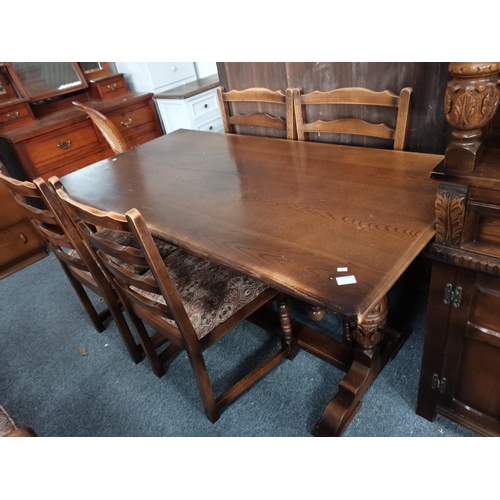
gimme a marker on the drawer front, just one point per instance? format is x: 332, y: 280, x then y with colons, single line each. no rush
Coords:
x: 13, y: 116
x: 214, y: 125
x: 112, y: 87
x: 61, y: 168
x: 166, y: 74
x: 133, y: 119
x: 201, y: 106
x: 482, y: 229
x: 63, y: 144
x: 17, y: 242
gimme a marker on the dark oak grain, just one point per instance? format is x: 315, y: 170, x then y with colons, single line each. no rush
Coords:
x: 284, y: 212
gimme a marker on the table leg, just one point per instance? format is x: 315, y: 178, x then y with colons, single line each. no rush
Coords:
x: 366, y: 365
x: 316, y: 313
x: 288, y: 340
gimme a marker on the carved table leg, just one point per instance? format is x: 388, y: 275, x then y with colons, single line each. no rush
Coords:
x: 365, y: 367
x: 316, y: 313
x: 288, y: 340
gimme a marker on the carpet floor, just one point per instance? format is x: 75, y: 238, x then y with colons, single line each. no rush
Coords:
x: 47, y: 385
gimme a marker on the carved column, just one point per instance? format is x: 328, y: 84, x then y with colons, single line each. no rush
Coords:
x: 471, y: 100
x: 450, y: 214
x: 370, y: 332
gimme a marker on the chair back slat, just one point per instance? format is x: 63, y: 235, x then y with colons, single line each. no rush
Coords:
x: 354, y: 95
x: 95, y: 217
x: 128, y: 276
x: 260, y: 118
x: 157, y: 308
x: 255, y: 94
x: 107, y: 128
x: 353, y: 126
x: 54, y: 225
x: 127, y: 254
x: 34, y: 213
x: 57, y: 239
x: 72, y: 262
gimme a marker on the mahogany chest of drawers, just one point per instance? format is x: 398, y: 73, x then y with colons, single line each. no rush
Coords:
x: 56, y: 139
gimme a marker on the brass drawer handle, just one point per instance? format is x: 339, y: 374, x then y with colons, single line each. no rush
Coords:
x: 64, y: 144
x: 23, y: 238
x: 112, y: 87
x: 14, y: 115
x: 126, y: 122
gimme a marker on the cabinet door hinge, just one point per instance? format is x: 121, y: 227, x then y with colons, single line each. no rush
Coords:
x: 452, y: 296
x: 438, y: 384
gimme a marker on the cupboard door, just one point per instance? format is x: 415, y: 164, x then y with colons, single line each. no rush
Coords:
x: 438, y: 315
x: 471, y: 361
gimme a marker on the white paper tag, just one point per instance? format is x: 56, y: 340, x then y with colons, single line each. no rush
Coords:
x: 346, y: 280
x: 341, y: 269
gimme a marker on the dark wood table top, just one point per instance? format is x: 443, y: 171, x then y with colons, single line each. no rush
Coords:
x: 287, y: 213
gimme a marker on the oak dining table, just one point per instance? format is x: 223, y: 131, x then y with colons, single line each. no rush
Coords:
x: 301, y: 217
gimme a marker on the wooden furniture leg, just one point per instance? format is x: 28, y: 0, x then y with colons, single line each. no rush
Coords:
x: 366, y: 365
x: 287, y: 340
x: 315, y: 313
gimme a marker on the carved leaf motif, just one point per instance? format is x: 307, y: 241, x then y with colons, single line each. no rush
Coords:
x: 472, y: 107
x: 490, y: 101
x: 450, y: 211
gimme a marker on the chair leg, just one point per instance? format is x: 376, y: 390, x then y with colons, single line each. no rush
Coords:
x: 203, y: 381
x: 84, y: 299
x: 135, y: 350
x: 147, y: 345
x: 288, y: 341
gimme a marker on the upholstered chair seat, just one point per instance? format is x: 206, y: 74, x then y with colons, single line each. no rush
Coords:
x: 210, y: 294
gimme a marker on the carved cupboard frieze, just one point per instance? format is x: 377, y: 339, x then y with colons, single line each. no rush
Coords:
x: 450, y: 214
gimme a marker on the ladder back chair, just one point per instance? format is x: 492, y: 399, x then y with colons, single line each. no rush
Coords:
x: 354, y: 126
x: 107, y: 128
x: 189, y: 302
x: 259, y: 119
x: 80, y: 267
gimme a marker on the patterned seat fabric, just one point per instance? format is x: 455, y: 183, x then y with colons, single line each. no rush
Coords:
x: 6, y: 423
x: 210, y: 294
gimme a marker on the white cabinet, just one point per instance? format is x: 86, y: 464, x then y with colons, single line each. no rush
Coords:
x: 198, y: 112
x: 192, y: 105
x: 184, y: 96
x: 156, y: 76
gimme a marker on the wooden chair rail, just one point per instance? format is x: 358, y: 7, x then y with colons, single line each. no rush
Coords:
x: 165, y: 311
x: 352, y: 126
x: 258, y: 119
x: 352, y: 95
x: 255, y: 94
x: 81, y: 268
